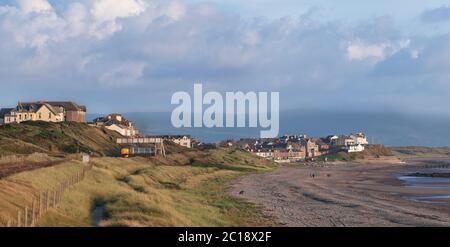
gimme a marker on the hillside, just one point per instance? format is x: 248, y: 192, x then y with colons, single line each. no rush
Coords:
x: 183, y: 189
x: 413, y: 152
x: 370, y: 151
x: 56, y: 139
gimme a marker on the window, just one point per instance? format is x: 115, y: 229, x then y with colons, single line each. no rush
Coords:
x: 20, y: 116
x: 40, y: 115
x: 49, y: 115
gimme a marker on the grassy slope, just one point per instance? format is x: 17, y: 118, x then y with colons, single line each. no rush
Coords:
x: 370, y: 151
x: 412, y: 152
x: 55, y: 138
x: 185, y: 189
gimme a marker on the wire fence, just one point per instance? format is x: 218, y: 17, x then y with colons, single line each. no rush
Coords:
x: 43, y: 201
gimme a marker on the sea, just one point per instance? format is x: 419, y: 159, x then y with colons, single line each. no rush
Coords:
x: 390, y: 129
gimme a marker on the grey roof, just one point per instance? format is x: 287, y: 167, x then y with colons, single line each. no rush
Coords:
x: 4, y: 111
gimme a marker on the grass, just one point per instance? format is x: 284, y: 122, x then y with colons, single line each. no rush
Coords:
x: 56, y: 138
x: 370, y: 151
x: 413, y: 152
x: 184, y: 189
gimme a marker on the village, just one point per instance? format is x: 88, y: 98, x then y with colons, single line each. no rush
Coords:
x: 68, y: 111
x: 288, y: 148
x: 295, y: 148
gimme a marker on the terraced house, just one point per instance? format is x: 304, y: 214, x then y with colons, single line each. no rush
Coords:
x: 48, y: 111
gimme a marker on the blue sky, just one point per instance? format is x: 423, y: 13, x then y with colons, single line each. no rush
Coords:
x: 132, y: 55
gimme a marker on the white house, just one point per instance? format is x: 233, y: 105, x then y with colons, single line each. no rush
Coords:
x: 118, y: 123
x: 185, y: 141
x: 359, y: 138
x: 354, y: 148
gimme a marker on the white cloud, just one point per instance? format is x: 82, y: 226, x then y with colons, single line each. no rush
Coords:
x: 176, y: 11
x: 29, y: 6
x: 360, y: 50
x: 109, y: 10
x: 106, y: 13
x: 171, y: 44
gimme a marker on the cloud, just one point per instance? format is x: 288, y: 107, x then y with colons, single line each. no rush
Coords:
x: 436, y: 15
x: 146, y: 50
x: 176, y: 11
x: 29, y: 6
x: 360, y: 50
x: 109, y: 10
x: 123, y: 76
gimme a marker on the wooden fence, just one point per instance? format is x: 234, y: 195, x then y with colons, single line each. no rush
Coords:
x: 28, y: 215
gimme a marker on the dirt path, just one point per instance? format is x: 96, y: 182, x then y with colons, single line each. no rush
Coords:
x: 341, y: 195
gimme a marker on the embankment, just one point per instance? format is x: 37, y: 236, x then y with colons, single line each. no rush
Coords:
x: 185, y: 189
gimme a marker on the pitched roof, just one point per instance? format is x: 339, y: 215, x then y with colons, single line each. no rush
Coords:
x: 67, y: 105
x: 34, y: 107
x: 4, y: 111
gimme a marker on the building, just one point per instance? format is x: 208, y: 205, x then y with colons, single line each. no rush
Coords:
x: 72, y: 111
x: 118, y: 123
x: 43, y: 111
x: 354, y: 148
x: 264, y: 153
x: 312, y: 149
x: 33, y: 112
x: 182, y: 140
x: 359, y: 139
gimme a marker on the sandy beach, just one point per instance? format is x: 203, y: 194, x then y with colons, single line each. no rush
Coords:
x: 364, y: 193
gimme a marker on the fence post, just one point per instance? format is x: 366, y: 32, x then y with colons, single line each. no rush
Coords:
x: 26, y: 217
x: 47, y: 201
x: 39, y: 205
x: 18, y: 218
x: 33, y: 212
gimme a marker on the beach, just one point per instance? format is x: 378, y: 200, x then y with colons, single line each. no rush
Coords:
x: 347, y: 194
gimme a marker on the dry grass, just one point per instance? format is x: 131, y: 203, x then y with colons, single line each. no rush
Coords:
x: 56, y: 138
x: 185, y: 189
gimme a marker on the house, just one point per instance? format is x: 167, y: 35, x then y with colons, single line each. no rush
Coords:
x: 182, y: 140
x: 32, y: 112
x: 359, y: 138
x: 72, y: 111
x: 43, y: 111
x: 118, y: 123
x: 354, y: 148
x: 3, y: 112
x: 312, y: 149
x: 324, y: 148
x: 264, y: 153
x: 343, y: 140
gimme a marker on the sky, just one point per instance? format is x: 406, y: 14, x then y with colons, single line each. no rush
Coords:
x: 132, y: 55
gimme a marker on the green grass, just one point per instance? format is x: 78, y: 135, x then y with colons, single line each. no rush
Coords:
x: 184, y: 189
x: 370, y: 151
x: 56, y: 138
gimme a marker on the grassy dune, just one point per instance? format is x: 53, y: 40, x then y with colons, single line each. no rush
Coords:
x: 184, y: 189
x: 417, y: 152
x: 56, y: 139
x: 370, y: 151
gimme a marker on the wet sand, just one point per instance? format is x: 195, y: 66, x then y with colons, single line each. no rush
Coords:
x: 365, y: 193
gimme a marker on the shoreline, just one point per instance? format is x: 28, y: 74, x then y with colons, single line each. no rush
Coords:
x: 360, y: 193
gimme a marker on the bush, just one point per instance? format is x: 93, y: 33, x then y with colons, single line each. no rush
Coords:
x: 71, y: 149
